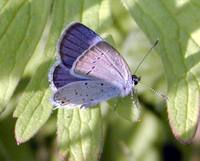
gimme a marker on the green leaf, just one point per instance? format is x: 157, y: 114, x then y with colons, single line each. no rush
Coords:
x: 176, y: 24
x: 80, y: 134
x: 34, y: 107
x: 22, y: 23
x: 129, y: 108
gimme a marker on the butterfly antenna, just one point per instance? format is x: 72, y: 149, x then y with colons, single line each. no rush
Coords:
x: 163, y: 96
x: 144, y: 57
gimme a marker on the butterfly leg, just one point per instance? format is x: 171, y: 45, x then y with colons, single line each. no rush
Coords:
x: 87, y: 105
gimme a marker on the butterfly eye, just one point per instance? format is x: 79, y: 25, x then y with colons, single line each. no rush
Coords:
x: 135, y: 79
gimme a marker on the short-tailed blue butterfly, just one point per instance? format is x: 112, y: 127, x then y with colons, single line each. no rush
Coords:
x: 88, y: 70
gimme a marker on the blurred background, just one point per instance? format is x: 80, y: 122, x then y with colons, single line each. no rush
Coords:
x: 147, y: 138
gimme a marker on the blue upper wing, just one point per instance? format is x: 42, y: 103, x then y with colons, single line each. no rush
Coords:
x: 76, y: 39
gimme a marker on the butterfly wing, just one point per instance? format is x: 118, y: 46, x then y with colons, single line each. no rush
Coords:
x: 84, y: 93
x: 76, y: 39
x: 60, y: 76
x: 103, y: 62
x: 85, y: 58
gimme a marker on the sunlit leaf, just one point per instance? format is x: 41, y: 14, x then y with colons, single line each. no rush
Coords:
x: 80, y: 134
x: 176, y: 25
x: 22, y: 23
x: 34, y: 107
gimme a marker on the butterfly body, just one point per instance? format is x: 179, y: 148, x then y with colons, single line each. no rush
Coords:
x: 88, y: 70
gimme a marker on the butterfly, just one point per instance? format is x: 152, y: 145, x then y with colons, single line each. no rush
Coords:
x: 88, y: 70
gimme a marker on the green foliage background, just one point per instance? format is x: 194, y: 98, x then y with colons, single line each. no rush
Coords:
x: 29, y: 31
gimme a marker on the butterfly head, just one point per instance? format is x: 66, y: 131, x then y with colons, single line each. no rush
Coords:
x: 135, y: 79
